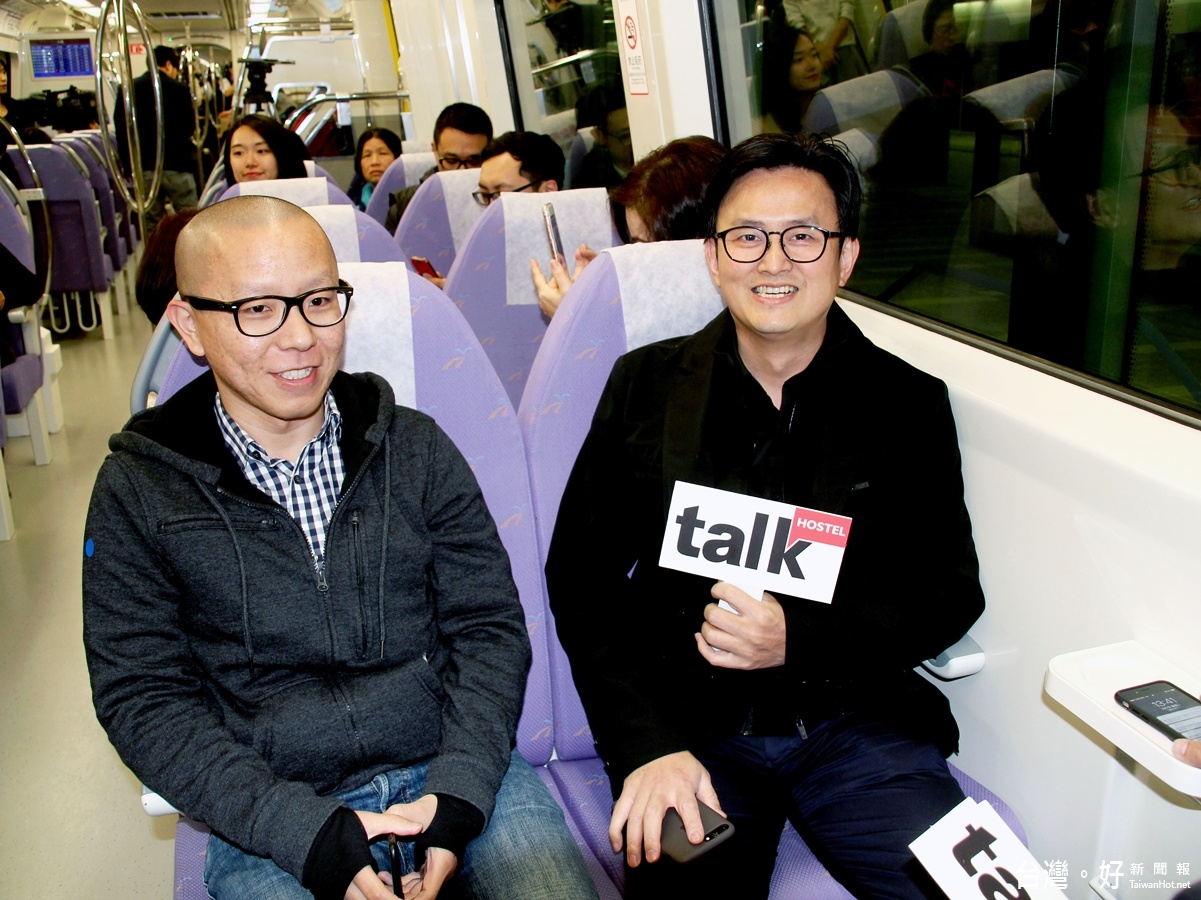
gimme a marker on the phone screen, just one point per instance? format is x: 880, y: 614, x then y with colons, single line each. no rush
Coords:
x: 1164, y: 706
x: 552, y: 233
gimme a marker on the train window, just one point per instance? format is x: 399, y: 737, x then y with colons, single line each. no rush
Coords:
x: 572, y: 48
x: 1032, y: 170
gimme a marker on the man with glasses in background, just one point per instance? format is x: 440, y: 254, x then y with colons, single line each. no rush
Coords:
x: 461, y: 133
x: 520, y: 161
x: 770, y: 708
x: 299, y: 618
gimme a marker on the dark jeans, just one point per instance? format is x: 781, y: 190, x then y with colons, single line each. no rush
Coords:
x: 857, y: 791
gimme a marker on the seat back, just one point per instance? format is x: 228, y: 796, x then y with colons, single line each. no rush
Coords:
x: 869, y: 102
x: 79, y: 259
x: 491, y: 280
x: 301, y: 191
x: 581, y: 145
x: 406, y: 330
x: 1020, y: 101
x: 899, y: 38
x: 86, y: 156
x: 215, y: 186
x: 16, y: 235
x: 405, y: 170
x: 355, y: 236
x: 156, y: 361
x: 617, y: 304
x: 439, y: 217
x: 316, y: 171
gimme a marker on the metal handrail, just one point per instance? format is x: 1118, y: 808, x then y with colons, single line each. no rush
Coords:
x: 38, y: 193
x: 580, y: 57
x: 342, y: 98
x: 140, y: 201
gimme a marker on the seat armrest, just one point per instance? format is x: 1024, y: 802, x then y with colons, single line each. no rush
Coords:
x: 961, y: 659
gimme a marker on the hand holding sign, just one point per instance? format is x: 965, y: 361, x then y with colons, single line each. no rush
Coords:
x: 751, y: 637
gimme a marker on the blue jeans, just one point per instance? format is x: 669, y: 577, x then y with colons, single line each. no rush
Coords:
x: 856, y: 790
x: 526, y: 851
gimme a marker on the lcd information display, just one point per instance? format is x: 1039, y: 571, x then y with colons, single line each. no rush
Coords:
x: 65, y: 58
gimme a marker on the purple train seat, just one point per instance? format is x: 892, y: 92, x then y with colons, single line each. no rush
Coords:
x: 405, y: 170
x: 79, y: 263
x: 869, y: 102
x: 405, y: 329
x: 21, y: 384
x: 439, y: 217
x: 115, y: 245
x: 356, y: 236
x: 490, y: 280
x: 301, y: 191
x: 615, y: 306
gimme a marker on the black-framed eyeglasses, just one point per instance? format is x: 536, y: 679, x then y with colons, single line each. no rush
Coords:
x: 260, y: 316
x: 450, y: 162
x: 483, y: 198
x: 800, y: 243
x: 1176, y: 168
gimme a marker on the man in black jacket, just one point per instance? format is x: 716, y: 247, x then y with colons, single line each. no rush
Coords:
x: 300, y: 622
x: 178, y: 185
x: 776, y: 707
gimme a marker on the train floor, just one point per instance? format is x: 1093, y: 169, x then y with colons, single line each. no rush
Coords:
x: 72, y: 825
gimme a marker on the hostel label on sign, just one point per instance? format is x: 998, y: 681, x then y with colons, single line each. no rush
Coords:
x: 758, y: 545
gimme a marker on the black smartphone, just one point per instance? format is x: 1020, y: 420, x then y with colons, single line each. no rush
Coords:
x: 422, y: 266
x: 1164, y: 707
x: 552, y: 234
x: 675, y: 841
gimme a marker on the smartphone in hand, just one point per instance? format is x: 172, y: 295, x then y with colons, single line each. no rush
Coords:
x: 422, y: 266
x: 675, y: 841
x: 1164, y: 707
x: 552, y: 234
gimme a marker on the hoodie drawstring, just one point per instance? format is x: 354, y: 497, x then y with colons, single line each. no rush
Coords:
x: 246, y: 640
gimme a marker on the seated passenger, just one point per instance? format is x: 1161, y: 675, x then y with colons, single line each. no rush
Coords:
x: 377, y: 149
x: 260, y: 148
x: 611, y: 157
x: 946, y: 69
x: 792, y: 75
x: 299, y: 619
x: 519, y: 161
x: 155, y: 284
x: 783, y: 708
x: 461, y: 133
x: 660, y: 200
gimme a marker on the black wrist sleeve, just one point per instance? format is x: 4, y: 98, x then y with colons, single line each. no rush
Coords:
x: 339, y: 851
x: 456, y: 822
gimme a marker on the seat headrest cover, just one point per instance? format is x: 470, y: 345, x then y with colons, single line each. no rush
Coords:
x: 311, y: 168
x: 666, y: 290
x: 301, y: 191
x: 414, y: 165
x: 379, y: 327
x: 461, y: 209
x: 583, y: 218
x: 342, y: 229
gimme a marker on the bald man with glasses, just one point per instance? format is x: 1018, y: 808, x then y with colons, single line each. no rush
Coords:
x: 299, y: 619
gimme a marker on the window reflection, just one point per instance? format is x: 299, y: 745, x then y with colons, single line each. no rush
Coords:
x: 1032, y: 170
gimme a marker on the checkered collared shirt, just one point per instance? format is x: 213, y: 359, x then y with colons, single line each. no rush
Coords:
x: 309, y: 489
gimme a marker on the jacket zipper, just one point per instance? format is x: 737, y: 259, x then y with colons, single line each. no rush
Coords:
x: 359, y: 576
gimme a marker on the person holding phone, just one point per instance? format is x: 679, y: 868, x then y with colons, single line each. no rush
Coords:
x: 782, y: 709
x: 660, y: 200
x: 1187, y: 751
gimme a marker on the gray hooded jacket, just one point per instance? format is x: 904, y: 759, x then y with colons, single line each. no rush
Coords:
x: 246, y: 687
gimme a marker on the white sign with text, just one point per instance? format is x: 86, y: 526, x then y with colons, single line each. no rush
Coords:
x: 973, y: 854
x: 757, y: 545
